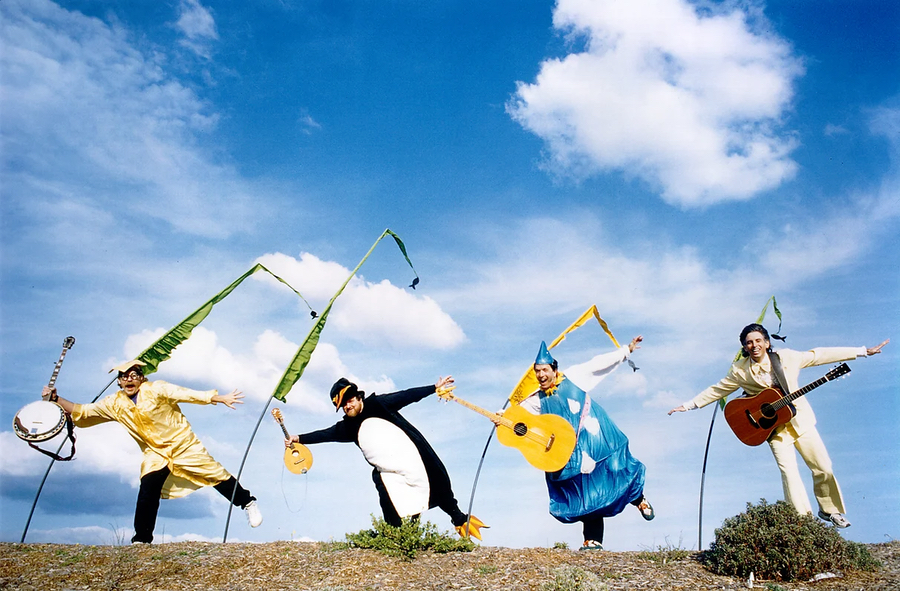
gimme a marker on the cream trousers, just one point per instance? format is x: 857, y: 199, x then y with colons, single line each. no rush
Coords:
x: 813, y: 452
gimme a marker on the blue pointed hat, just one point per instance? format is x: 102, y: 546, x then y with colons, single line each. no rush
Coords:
x: 543, y: 356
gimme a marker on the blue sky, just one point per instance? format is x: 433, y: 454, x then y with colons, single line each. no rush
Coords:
x: 674, y: 163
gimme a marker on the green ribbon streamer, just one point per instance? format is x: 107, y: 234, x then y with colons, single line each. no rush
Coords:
x: 301, y: 359
x: 162, y: 348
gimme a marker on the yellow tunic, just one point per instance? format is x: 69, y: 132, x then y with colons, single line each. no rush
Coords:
x: 163, y: 433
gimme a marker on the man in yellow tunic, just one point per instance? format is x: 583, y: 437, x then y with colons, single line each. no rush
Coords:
x: 175, y: 462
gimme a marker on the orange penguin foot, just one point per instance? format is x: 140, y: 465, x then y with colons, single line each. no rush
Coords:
x: 475, y: 526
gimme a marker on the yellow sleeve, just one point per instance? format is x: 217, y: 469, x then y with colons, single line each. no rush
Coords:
x: 94, y: 413
x: 179, y: 394
x: 717, y: 391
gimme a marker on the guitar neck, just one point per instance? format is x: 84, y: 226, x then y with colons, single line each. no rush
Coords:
x: 59, y: 363
x: 795, y: 395
x: 478, y: 409
x: 284, y: 430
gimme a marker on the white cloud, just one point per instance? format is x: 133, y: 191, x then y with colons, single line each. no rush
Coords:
x: 832, y: 130
x: 196, y: 21
x: 89, y: 535
x: 368, y: 312
x: 204, y: 361
x: 88, y: 118
x: 198, y: 25
x: 690, y: 103
x: 105, y: 449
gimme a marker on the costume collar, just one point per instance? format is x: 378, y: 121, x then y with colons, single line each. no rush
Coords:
x: 560, y: 376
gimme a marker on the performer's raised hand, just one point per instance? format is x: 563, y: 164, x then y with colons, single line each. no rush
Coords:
x: 677, y: 409
x: 443, y: 383
x: 634, y: 344
x: 229, y: 400
x: 876, y: 350
x: 48, y: 393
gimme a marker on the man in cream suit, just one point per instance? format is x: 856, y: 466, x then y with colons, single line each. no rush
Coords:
x: 754, y: 373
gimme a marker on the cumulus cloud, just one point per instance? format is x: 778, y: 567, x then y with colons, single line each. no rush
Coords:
x: 106, y: 449
x: 87, y: 115
x: 90, y: 535
x: 204, y: 361
x: 113, y: 535
x: 196, y: 21
x: 369, y: 312
x: 689, y: 102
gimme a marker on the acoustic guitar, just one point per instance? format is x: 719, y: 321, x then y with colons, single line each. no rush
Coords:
x: 546, y: 441
x: 297, y: 458
x: 753, y: 418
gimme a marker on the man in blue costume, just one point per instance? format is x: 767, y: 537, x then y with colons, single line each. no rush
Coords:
x: 408, y: 474
x: 602, y: 476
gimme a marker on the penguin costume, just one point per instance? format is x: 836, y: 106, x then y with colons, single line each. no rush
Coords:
x: 408, y: 474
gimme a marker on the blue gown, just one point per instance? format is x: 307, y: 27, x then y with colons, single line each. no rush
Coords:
x: 602, y: 476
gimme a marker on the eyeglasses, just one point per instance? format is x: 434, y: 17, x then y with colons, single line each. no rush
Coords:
x: 130, y: 377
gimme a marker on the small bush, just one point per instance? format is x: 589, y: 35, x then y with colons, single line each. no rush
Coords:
x: 408, y: 539
x: 574, y: 578
x: 774, y: 542
x: 560, y: 546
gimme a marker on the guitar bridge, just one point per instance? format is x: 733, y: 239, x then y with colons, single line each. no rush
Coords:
x: 752, y: 420
x: 550, y: 442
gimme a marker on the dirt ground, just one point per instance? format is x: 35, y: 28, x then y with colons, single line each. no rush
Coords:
x: 322, y: 566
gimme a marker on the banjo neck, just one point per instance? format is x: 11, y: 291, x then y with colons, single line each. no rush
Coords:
x: 67, y: 344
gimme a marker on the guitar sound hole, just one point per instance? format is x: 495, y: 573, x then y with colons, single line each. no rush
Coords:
x: 520, y: 429
x: 766, y: 411
x: 295, y: 453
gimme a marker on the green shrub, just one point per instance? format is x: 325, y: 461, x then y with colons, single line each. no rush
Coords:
x: 574, y: 578
x: 408, y: 539
x: 774, y: 542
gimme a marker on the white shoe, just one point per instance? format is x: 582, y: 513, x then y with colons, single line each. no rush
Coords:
x: 254, y: 517
x: 836, y: 518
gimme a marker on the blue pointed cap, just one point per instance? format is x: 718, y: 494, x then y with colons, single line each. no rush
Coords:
x: 543, y: 356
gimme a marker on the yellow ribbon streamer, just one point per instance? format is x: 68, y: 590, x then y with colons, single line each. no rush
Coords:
x: 529, y: 384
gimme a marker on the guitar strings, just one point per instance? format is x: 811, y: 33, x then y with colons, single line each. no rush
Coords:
x: 304, y: 495
x: 529, y: 434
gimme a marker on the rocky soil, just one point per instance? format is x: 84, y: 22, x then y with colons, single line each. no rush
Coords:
x: 329, y: 567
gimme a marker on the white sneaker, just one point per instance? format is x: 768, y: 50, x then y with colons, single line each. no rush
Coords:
x: 254, y: 517
x: 836, y: 518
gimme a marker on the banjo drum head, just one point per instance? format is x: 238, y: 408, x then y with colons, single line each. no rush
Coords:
x: 39, y: 421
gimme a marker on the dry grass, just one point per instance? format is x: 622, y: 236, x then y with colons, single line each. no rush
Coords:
x: 321, y: 566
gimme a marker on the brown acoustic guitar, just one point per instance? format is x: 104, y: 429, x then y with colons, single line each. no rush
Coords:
x: 753, y: 418
x: 547, y: 441
x: 297, y: 458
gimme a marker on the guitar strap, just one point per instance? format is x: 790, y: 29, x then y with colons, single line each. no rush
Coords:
x: 780, y: 380
x: 70, y: 433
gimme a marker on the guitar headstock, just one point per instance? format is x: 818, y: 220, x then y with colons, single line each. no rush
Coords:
x: 276, y: 412
x: 841, y: 370
x: 68, y: 342
x: 445, y: 394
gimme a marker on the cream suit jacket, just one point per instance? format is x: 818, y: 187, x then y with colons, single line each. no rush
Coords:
x: 750, y: 376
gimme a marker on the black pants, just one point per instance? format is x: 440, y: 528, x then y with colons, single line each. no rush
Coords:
x: 448, y: 505
x: 149, y: 495
x: 593, y: 526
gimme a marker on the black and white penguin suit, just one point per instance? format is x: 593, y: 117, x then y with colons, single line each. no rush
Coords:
x: 408, y: 474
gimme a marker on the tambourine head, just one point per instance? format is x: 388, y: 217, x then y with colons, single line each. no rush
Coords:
x: 39, y: 421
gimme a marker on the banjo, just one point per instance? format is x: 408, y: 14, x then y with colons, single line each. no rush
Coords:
x: 43, y: 420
